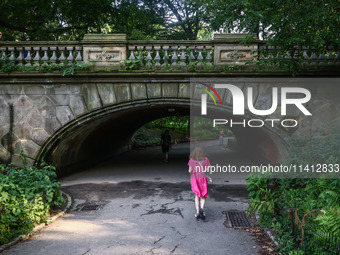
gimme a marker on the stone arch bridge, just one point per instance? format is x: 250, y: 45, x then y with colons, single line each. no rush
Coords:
x: 74, y: 121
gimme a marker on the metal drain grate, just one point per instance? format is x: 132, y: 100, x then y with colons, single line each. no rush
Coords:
x: 237, y: 220
x: 89, y: 208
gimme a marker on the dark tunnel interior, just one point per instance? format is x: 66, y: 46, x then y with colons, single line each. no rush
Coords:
x: 100, y: 136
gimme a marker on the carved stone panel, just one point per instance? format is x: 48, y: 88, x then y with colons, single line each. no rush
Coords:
x: 104, y: 57
x: 233, y: 54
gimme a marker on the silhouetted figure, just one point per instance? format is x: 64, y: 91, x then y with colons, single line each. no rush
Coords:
x: 221, y: 136
x: 166, y: 144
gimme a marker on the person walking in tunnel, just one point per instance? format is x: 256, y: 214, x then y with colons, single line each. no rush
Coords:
x: 166, y: 144
x: 198, y: 162
x: 221, y: 136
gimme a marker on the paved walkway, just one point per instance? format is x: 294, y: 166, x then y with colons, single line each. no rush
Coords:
x: 146, y: 207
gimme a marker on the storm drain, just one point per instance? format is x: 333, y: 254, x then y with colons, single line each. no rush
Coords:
x: 90, y: 207
x: 237, y: 219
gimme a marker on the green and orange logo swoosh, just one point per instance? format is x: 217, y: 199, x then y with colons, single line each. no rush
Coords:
x: 209, y: 93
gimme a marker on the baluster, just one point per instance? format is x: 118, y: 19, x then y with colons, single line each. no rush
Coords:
x: 148, y: 50
x: 200, y: 56
x: 78, y: 57
x: 53, y: 58
x: 2, y: 55
x: 28, y: 57
x: 192, y: 56
x: 12, y: 54
x: 132, y: 55
x: 287, y: 55
x: 337, y: 58
x: 270, y: 55
x: 62, y: 54
x: 36, y: 58
x: 313, y: 58
x: 157, y: 57
x: 70, y: 57
x: 296, y: 54
x: 322, y: 58
x: 330, y: 58
x: 148, y: 56
x: 20, y: 57
x: 182, y: 58
x: 174, y: 57
x: 276, y: 52
x: 140, y: 55
x: 166, y: 56
x: 208, y: 58
x: 44, y: 59
x: 305, y: 57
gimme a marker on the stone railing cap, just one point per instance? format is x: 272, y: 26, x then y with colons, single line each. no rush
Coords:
x: 104, y: 37
x: 233, y: 37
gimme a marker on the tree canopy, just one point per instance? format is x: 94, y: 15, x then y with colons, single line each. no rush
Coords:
x: 283, y: 23
x: 71, y: 19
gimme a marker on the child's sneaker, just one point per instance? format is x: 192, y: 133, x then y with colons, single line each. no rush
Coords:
x: 197, y: 216
x: 202, y: 214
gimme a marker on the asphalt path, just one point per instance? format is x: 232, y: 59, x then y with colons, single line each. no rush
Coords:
x: 146, y: 206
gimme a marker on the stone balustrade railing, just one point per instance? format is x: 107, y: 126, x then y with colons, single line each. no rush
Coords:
x: 309, y: 57
x: 110, y: 52
x: 171, y: 53
x: 41, y: 53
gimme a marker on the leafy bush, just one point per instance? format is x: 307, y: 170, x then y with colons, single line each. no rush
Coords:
x: 322, y: 147
x: 312, y: 205
x: 6, y: 64
x: 132, y: 64
x: 26, y: 197
x: 202, y: 129
x: 145, y: 137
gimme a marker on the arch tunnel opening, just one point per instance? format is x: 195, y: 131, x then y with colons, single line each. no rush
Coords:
x: 104, y: 134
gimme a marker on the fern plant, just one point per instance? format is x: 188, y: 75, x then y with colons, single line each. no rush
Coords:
x: 330, y: 220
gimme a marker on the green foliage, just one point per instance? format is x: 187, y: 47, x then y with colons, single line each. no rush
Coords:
x: 70, y: 20
x: 314, y: 203
x: 150, y: 133
x: 65, y: 68
x: 203, y: 129
x: 330, y: 219
x: 283, y: 234
x: 26, y: 196
x: 149, y: 65
x: 178, y: 124
x: 261, y: 199
x: 286, y: 25
x: 6, y: 65
x: 320, y: 147
x: 29, y: 68
x: 296, y: 252
x: 72, y: 69
x: 183, y: 19
x: 145, y: 137
x: 140, y: 20
x: 52, y: 20
x: 132, y: 64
